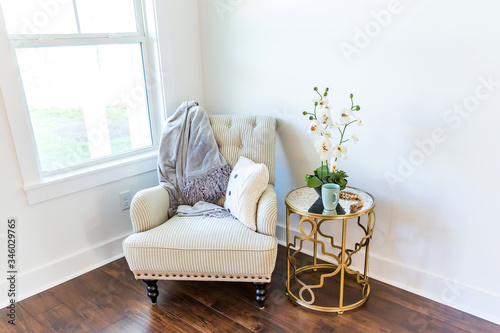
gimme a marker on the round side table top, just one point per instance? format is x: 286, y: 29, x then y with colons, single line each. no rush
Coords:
x: 301, y: 199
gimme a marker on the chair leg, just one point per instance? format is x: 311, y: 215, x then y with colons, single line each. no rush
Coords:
x: 152, y: 290
x: 261, y: 293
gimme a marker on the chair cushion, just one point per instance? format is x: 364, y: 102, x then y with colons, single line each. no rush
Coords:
x: 247, y: 182
x: 201, y: 244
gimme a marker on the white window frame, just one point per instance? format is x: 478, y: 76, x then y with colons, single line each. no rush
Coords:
x: 44, y: 186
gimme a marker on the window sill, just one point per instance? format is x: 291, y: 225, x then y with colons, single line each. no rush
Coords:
x: 82, y: 179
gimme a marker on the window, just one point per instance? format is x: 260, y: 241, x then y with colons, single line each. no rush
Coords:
x: 86, y: 82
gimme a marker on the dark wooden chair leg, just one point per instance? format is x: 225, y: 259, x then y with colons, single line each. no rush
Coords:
x: 152, y: 290
x: 261, y: 293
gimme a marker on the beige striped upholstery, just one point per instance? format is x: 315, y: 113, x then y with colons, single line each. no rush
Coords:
x: 206, y: 248
x: 267, y: 212
x: 149, y: 208
x: 251, y: 136
x: 201, y: 245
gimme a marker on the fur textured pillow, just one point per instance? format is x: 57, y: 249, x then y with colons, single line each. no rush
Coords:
x: 247, y: 182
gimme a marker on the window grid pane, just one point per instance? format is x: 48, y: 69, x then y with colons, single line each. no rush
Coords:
x: 85, y: 102
x: 94, y: 16
x: 35, y: 17
x: 45, y: 17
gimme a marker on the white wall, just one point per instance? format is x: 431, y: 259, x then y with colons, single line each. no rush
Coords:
x: 437, y: 224
x: 64, y: 237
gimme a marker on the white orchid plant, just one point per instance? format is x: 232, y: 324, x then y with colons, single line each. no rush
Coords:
x: 323, y: 122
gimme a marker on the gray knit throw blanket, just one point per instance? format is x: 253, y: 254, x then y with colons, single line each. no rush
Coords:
x: 190, y: 166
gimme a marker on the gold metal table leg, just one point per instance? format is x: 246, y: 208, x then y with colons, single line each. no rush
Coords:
x: 315, y: 249
x: 287, y: 250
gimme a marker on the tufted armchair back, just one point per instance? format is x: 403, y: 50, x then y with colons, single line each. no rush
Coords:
x: 251, y: 136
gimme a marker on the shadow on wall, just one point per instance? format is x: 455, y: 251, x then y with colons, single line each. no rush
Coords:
x: 293, y: 153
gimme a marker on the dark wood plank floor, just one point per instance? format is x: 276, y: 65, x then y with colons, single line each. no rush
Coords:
x: 109, y: 299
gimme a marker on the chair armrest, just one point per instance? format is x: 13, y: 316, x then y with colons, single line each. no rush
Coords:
x: 267, y: 212
x: 149, y: 208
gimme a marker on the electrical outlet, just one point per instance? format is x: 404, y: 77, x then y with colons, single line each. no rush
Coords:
x: 125, y: 199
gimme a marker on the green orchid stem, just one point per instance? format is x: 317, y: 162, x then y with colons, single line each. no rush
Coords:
x: 343, y: 132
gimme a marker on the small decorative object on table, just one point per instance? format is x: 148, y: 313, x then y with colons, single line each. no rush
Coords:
x: 324, y: 121
x: 353, y: 197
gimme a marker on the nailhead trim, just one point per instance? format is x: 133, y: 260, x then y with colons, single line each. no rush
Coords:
x: 207, y: 276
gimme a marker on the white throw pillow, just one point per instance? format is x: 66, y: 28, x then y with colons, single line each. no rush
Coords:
x: 247, y: 182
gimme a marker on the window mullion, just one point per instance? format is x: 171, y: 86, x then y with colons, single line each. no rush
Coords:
x: 78, y: 41
x: 139, y: 16
x: 77, y: 18
x: 74, y: 36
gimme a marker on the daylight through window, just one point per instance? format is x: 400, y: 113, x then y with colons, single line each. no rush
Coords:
x: 83, y: 76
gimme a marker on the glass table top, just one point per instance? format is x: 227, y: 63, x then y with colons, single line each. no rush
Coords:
x: 305, y: 201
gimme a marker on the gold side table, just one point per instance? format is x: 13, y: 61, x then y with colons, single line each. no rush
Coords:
x: 303, y: 282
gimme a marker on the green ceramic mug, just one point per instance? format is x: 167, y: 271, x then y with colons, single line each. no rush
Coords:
x: 330, y: 196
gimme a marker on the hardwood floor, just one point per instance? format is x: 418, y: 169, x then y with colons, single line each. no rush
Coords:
x: 109, y: 299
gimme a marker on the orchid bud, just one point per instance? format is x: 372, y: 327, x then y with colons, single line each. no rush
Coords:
x: 352, y: 95
x: 304, y: 113
x: 315, y: 88
x: 311, y: 118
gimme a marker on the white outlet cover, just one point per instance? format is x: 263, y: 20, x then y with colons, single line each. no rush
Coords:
x: 125, y: 200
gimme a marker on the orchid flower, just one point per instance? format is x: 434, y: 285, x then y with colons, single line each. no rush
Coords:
x: 323, y: 145
x: 333, y: 164
x: 345, y: 116
x: 323, y: 102
x: 315, y: 127
x: 352, y: 137
x: 324, y: 148
x: 340, y: 151
x: 324, y: 116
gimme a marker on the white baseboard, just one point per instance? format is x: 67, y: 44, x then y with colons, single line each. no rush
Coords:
x: 56, y: 272
x: 479, y: 303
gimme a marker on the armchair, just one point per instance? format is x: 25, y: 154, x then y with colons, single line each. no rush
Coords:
x: 209, y: 248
